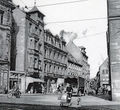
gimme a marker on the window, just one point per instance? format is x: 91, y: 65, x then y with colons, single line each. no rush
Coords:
x: 45, y: 53
x: 40, y: 65
x: 54, y: 69
x: 1, y: 16
x: 36, y: 45
x: 39, y: 47
x: 45, y: 68
x: 36, y: 30
x: 54, y: 55
x: 50, y: 68
x: 30, y: 27
x: 50, y: 54
x: 40, y: 31
x: 36, y: 63
x: 31, y: 43
x: 31, y: 61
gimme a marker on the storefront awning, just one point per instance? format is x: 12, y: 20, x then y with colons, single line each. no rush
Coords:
x: 31, y: 80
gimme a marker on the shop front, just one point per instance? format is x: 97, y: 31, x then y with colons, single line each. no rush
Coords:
x: 34, y: 85
x: 77, y: 84
x: 52, y: 81
x: 16, y: 77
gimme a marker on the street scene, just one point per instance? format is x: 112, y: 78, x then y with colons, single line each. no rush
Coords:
x: 59, y: 55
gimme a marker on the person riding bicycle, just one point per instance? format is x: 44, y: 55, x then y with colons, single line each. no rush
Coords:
x: 15, y: 89
x: 69, y: 90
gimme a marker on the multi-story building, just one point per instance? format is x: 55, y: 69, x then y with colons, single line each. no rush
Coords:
x: 74, y: 73
x: 113, y: 41
x: 6, y: 7
x: 79, y: 54
x: 27, y: 51
x: 104, y: 74
x: 55, y: 59
x: 85, y: 68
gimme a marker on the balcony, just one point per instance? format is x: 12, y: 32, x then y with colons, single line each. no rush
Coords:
x: 34, y: 52
x: 5, y: 27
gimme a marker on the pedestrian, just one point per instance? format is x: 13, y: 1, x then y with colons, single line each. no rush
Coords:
x: 43, y: 89
x: 69, y: 90
x: 78, y: 100
x: 61, y: 88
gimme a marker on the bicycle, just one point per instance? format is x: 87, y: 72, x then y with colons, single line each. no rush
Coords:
x: 16, y: 94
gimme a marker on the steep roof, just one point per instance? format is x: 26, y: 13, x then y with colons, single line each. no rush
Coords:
x: 72, y: 59
x: 74, y: 51
x: 105, y: 63
x: 34, y: 10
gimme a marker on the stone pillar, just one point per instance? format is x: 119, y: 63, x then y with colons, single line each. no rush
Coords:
x: 114, y: 47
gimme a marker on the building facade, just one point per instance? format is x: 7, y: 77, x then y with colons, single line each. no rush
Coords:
x: 114, y: 47
x: 27, y: 48
x: 79, y: 54
x: 85, y: 67
x: 74, y: 73
x: 104, y: 74
x: 6, y: 7
x: 55, y: 60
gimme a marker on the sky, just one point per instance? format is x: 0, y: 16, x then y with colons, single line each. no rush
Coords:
x: 88, y: 20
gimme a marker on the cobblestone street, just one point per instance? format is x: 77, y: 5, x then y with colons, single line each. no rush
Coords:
x: 51, y: 102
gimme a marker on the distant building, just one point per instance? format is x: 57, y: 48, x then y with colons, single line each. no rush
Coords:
x: 55, y: 59
x: 104, y: 73
x: 5, y: 41
x: 74, y: 73
x: 27, y: 53
x: 80, y: 56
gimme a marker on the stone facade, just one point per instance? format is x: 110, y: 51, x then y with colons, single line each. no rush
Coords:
x: 55, y: 59
x: 27, y: 46
x: 114, y: 47
x: 5, y: 41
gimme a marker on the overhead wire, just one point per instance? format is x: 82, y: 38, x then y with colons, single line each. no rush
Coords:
x: 85, y: 36
x: 78, y: 20
x: 60, y: 3
x: 69, y: 21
